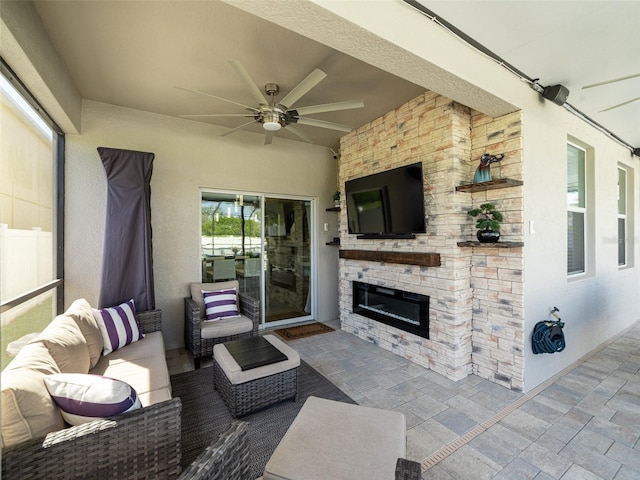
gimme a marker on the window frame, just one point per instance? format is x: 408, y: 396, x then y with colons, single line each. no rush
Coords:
x: 58, y: 161
x: 579, y: 210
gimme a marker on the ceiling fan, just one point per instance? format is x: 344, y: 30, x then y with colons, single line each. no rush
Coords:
x: 274, y: 115
x: 606, y: 82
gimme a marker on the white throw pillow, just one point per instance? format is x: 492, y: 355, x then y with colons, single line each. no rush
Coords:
x: 83, y: 398
x: 118, y: 325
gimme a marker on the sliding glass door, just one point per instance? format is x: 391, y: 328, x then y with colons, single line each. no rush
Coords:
x: 265, y: 244
x: 287, y: 249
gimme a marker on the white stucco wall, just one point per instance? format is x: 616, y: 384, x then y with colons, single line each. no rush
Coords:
x: 602, y: 303
x: 396, y: 38
x: 188, y: 156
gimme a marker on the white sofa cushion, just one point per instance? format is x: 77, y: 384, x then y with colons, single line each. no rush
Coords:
x: 66, y: 344
x: 152, y: 344
x: 82, y: 314
x: 27, y: 408
x: 144, y: 374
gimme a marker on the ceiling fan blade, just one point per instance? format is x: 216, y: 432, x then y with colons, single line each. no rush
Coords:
x: 255, y: 91
x: 268, y: 136
x: 299, y: 133
x: 312, y: 122
x: 302, y: 88
x: 237, y: 128
x: 217, y: 98
x: 330, y: 107
x: 611, y: 81
x: 620, y: 104
x: 248, y: 115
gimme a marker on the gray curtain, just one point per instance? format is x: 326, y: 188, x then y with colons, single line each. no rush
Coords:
x: 127, y: 262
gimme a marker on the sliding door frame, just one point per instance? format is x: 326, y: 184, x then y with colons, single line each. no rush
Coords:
x: 313, y: 248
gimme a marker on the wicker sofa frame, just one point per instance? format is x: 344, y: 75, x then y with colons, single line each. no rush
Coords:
x: 250, y: 396
x: 203, y: 347
x: 143, y: 444
x: 145, y: 440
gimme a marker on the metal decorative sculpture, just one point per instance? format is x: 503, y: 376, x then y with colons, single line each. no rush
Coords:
x: 483, y: 172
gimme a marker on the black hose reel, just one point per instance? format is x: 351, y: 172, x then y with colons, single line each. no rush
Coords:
x: 548, y: 336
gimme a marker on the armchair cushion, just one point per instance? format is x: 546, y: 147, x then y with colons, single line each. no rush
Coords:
x: 220, y: 304
x: 225, y: 327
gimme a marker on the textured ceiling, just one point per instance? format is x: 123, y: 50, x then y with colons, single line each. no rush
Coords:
x: 132, y: 54
x: 573, y: 43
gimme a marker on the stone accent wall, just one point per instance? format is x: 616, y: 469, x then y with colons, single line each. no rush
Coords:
x: 497, y: 273
x: 445, y: 136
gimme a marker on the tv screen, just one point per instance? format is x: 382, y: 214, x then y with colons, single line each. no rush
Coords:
x: 387, y: 203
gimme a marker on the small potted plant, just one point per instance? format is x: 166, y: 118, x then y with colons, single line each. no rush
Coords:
x: 488, y: 223
x: 336, y: 198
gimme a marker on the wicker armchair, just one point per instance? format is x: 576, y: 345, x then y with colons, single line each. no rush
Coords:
x: 193, y: 314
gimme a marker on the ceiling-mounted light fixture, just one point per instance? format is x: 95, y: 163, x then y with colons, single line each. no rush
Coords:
x: 556, y: 93
x: 271, y: 122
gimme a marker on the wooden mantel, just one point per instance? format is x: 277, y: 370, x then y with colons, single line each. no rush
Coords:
x: 406, y: 258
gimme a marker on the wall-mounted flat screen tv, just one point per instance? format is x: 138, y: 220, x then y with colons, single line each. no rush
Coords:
x: 387, y: 204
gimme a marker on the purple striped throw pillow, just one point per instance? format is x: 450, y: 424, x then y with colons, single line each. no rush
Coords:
x: 220, y: 304
x: 118, y: 325
x: 83, y: 398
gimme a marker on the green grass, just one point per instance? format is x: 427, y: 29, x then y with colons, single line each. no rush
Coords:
x: 33, y: 320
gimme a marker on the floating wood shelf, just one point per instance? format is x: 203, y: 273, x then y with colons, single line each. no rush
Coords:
x: 490, y: 185
x: 406, y: 258
x: 492, y: 245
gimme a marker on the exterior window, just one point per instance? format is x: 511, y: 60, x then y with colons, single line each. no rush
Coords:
x: 622, y: 217
x: 30, y: 205
x: 576, y: 209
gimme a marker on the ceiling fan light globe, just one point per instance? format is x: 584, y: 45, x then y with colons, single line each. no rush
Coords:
x: 272, y: 126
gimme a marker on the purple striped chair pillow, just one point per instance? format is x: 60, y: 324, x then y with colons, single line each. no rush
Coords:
x: 220, y: 304
x: 83, y: 398
x: 118, y: 325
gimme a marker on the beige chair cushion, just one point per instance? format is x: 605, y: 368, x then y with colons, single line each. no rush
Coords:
x: 197, y: 288
x: 82, y: 313
x: 225, y: 327
x: 235, y: 374
x: 27, y: 408
x: 66, y: 344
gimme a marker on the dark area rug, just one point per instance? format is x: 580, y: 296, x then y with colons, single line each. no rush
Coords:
x: 302, y: 331
x: 205, y: 416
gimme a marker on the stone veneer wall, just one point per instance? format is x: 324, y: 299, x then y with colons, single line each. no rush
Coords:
x: 471, y: 282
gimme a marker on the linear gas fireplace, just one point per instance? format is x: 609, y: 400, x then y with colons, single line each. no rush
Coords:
x: 404, y: 310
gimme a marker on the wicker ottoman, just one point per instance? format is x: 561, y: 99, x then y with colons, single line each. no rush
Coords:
x: 246, y: 391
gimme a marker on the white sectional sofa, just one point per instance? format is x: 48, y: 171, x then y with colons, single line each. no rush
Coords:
x: 36, y: 441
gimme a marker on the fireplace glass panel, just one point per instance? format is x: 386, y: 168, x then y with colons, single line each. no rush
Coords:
x: 404, y: 310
